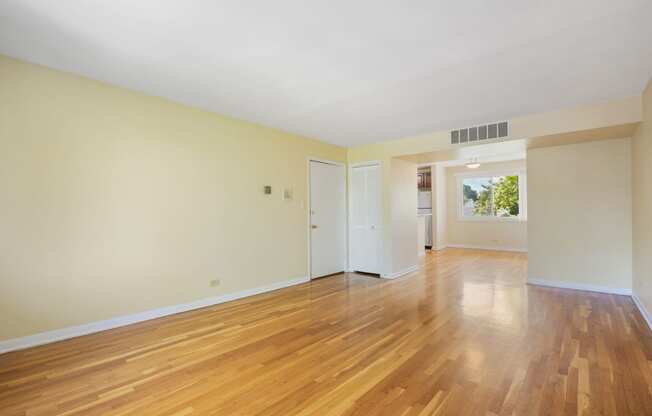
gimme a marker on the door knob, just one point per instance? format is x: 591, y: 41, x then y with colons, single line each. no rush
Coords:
x: 313, y: 226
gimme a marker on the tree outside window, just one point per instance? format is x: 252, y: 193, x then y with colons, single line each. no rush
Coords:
x: 491, y: 196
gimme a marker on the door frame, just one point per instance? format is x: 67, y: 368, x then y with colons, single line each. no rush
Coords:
x: 349, y: 175
x: 309, y: 204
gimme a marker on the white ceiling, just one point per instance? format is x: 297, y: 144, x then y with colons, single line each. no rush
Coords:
x: 347, y: 72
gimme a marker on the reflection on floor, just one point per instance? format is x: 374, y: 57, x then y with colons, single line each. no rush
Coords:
x: 464, y: 335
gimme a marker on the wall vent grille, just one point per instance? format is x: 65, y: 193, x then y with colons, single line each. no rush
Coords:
x: 489, y: 131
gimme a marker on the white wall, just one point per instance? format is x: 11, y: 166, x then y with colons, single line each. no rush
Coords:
x: 403, y: 204
x: 642, y: 205
x: 580, y: 215
x: 498, y: 235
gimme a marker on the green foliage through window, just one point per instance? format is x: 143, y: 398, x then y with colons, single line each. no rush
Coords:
x: 496, y: 196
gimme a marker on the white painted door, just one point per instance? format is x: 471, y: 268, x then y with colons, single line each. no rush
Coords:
x: 365, y: 219
x: 327, y: 219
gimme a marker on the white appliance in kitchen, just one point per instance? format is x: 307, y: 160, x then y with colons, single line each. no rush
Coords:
x: 424, y: 209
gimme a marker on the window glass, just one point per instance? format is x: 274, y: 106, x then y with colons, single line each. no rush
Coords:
x: 491, y: 196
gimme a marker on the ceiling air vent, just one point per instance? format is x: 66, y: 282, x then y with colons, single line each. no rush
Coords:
x: 479, y: 133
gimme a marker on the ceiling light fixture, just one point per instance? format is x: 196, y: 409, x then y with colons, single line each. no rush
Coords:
x: 473, y: 164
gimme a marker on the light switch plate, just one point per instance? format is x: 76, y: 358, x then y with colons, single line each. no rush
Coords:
x: 287, y: 194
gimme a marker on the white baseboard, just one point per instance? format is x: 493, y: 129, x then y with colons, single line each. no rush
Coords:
x: 494, y: 248
x: 400, y: 272
x: 92, y: 327
x: 641, y: 307
x: 579, y: 286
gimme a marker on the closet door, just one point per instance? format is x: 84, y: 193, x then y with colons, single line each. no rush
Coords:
x: 366, y: 230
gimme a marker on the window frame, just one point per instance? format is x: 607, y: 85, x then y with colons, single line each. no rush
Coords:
x: 522, y: 195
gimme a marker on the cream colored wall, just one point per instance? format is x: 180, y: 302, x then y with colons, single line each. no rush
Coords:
x: 642, y: 204
x: 580, y: 214
x: 499, y: 235
x: 439, y: 211
x: 403, y: 204
x: 113, y: 202
x: 596, y: 116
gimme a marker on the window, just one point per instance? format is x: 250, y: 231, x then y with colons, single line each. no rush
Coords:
x: 490, y: 196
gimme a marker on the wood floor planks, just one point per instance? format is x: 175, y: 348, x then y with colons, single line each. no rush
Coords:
x: 462, y: 336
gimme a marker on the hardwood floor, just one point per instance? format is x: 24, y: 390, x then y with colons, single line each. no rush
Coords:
x: 463, y: 336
